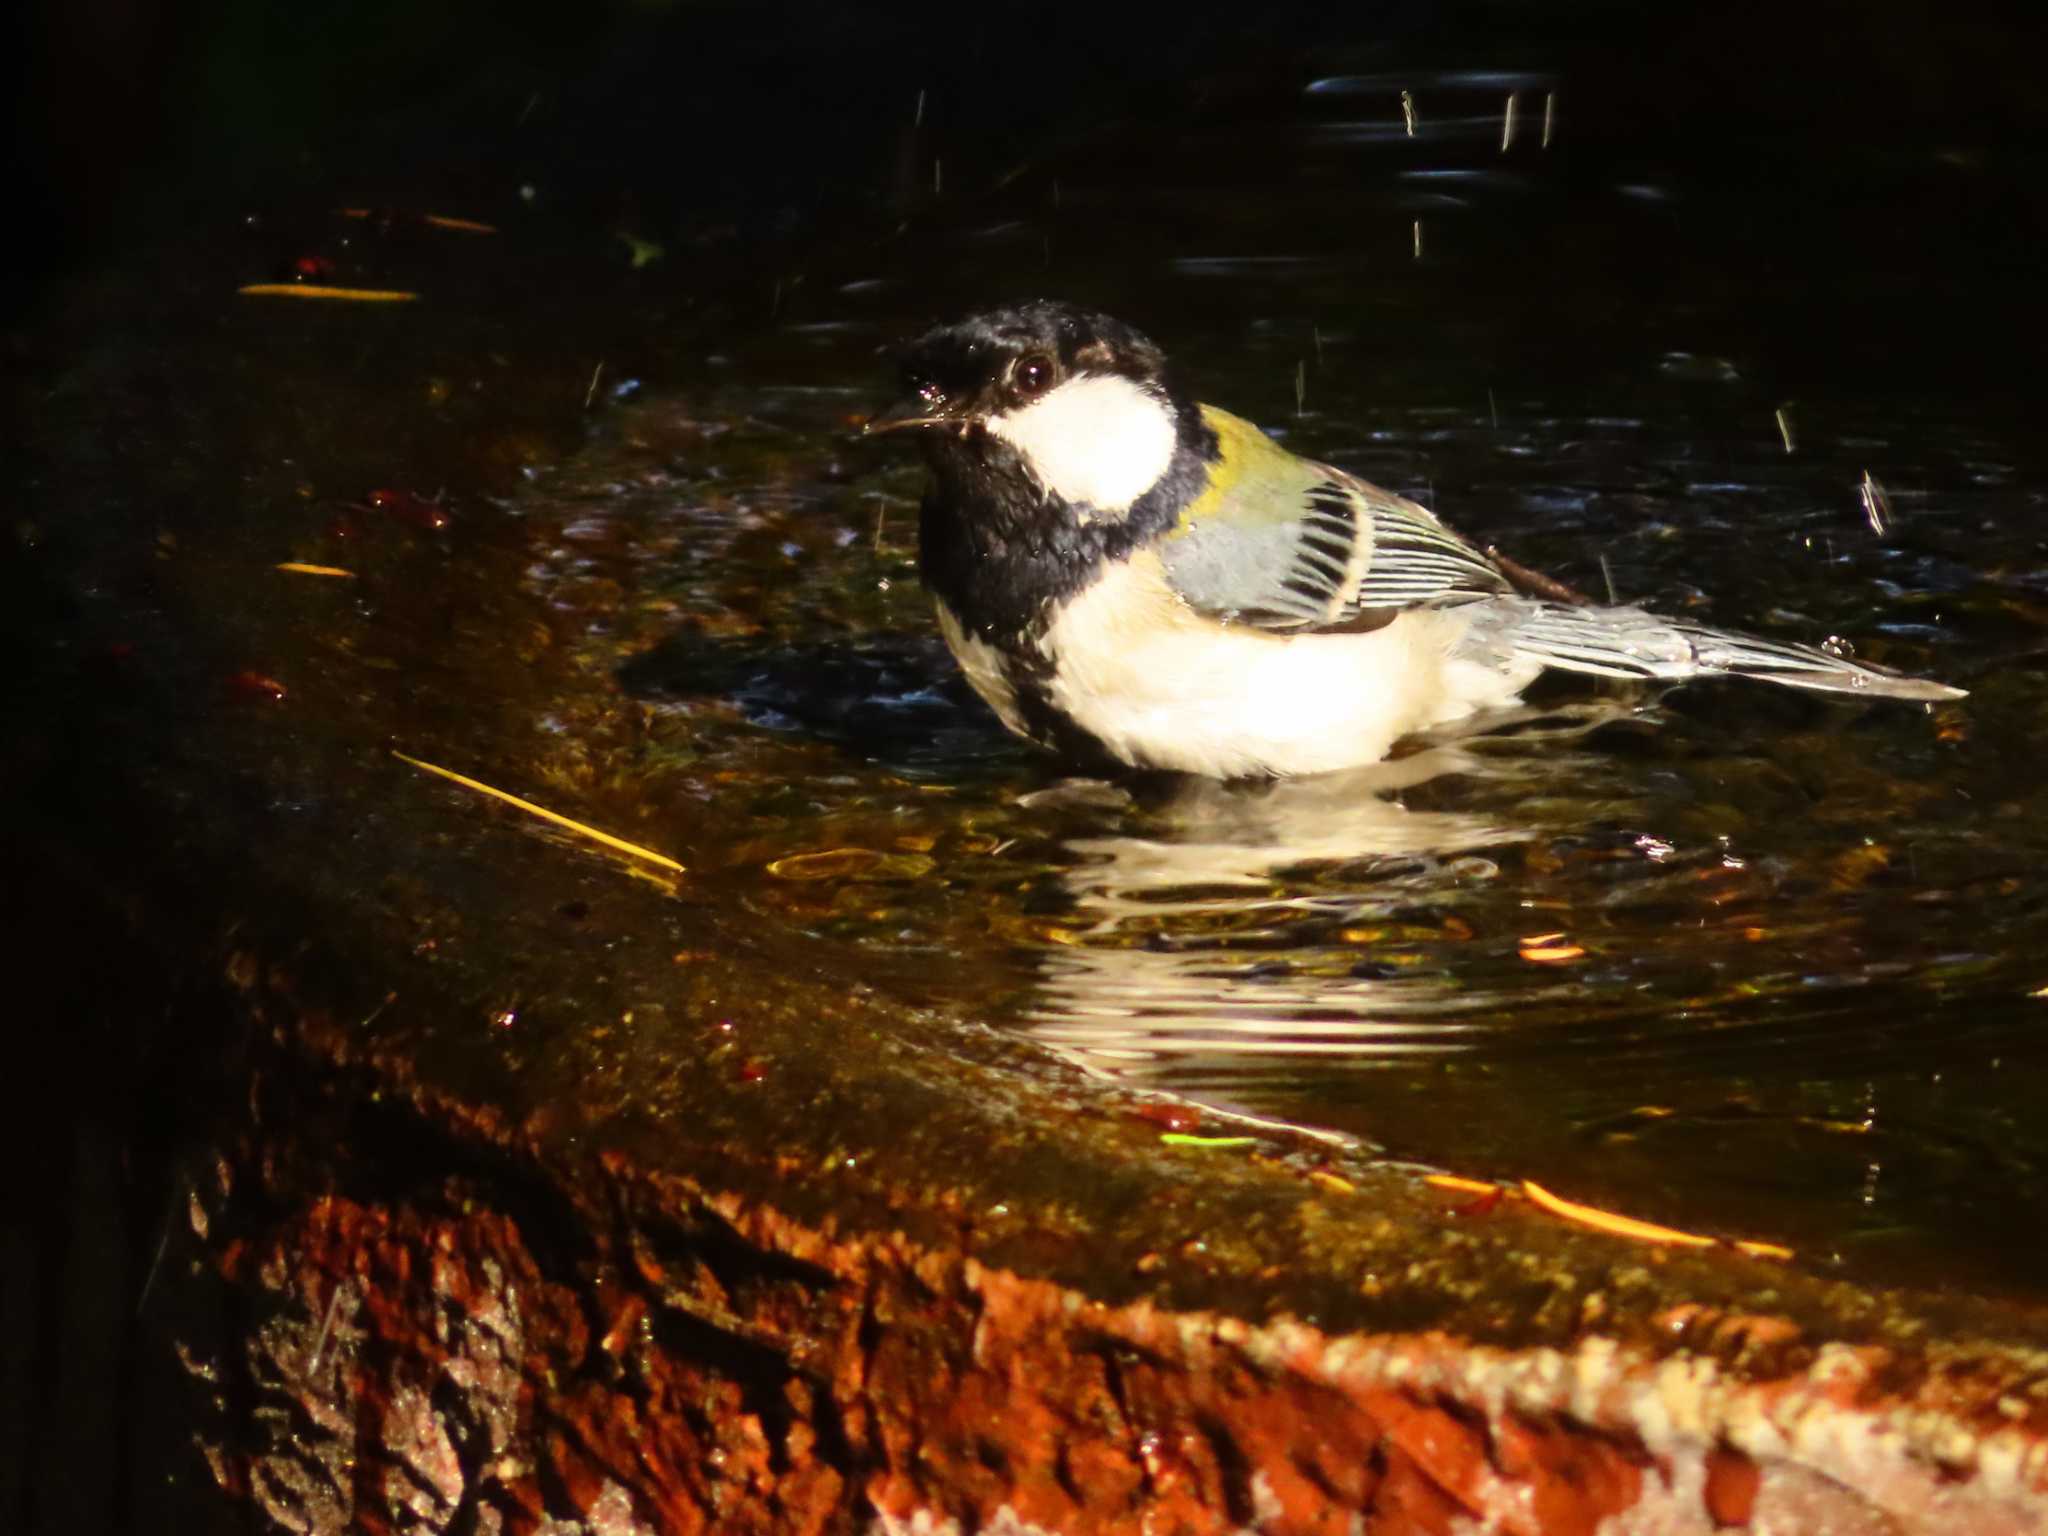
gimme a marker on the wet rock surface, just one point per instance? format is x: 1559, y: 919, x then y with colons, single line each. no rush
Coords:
x: 456, y: 1323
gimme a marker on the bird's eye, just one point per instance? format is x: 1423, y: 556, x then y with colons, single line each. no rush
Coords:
x: 1032, y: 375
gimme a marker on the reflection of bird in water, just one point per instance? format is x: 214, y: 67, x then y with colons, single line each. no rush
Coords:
x: 1218, y: 936
x: 1237, y: 837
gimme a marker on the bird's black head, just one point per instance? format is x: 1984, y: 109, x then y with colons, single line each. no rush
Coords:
x: 1003, y: 359
x: 1045, y: 402
x: 1058, y: 445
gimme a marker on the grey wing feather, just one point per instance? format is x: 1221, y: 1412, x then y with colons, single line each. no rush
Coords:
x: 1630, y: 642
x: 1416, y: 559
x: 1322, y: 551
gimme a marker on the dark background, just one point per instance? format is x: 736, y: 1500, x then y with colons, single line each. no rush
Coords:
x: 133, y: 116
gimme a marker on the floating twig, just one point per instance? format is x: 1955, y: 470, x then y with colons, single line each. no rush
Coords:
x: 324, y: 291
x: 1532, y: 582
x: 438, y: 220
x: 1757, y: 1250
x: 579, y: 828
x: 301, y: 568
x: 1611, y: 1221
x: 1463, y: 1186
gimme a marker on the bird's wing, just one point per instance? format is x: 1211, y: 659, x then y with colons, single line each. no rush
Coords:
x: 1284, y: 543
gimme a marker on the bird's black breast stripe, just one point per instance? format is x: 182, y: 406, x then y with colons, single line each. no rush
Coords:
x: 1003, y: 556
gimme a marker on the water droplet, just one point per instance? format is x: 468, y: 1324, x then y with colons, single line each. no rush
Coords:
x: 1838, y: 648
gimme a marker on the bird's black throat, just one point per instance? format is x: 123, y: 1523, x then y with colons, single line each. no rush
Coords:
x: 1003, y: 554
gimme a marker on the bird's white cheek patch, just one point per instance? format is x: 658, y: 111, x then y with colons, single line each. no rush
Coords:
x: 1096, y: 439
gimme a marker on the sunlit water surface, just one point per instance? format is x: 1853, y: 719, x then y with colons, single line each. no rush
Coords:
x: 1730, y: 957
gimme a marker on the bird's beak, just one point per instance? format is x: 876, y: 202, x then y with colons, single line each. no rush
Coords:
x: 902, y: 415
x: 961, y: 414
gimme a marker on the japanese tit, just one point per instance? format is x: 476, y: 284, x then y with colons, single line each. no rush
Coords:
x: 1120, y: 569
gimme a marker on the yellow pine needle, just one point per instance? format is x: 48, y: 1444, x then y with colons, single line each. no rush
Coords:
x: 323, y: 291
x: 1609, y: 1221
x: 300, y: 568
x: 438, y: 220
x: 545, y: 814
x: 1464, y: 1186
x: 1763, y: 1250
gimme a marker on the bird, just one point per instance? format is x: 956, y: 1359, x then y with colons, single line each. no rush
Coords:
x: 1125, y: 573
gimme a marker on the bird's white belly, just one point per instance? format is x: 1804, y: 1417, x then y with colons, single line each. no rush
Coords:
x: 1162, y: 687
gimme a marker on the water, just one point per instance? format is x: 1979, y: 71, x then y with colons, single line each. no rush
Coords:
x: 1725, y: 957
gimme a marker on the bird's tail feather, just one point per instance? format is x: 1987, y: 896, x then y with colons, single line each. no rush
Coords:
x: 1629, y: 642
